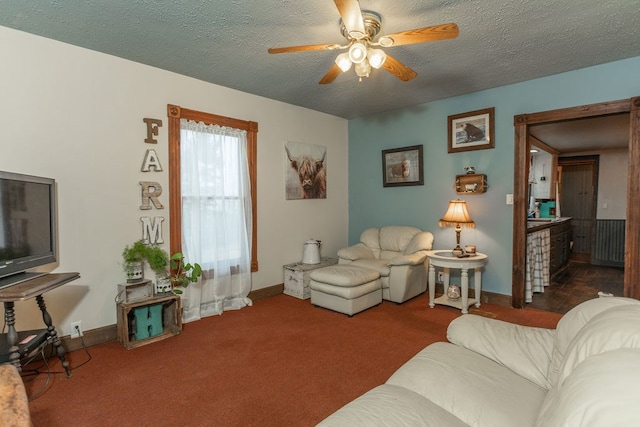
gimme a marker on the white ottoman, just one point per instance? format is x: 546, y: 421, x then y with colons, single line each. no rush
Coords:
x: 346, y: 289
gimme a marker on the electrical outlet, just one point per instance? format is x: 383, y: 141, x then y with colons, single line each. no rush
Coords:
x: 76, y: 329
x: 440, y: 277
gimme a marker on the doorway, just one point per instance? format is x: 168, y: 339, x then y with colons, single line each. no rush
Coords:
x: 521, y: 172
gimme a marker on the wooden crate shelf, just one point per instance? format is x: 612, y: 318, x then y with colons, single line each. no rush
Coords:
x: 171, y: 320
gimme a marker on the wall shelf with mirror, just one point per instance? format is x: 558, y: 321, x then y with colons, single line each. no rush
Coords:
x: 471, y: 183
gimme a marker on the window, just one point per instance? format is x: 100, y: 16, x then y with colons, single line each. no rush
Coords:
x: 188, y: 196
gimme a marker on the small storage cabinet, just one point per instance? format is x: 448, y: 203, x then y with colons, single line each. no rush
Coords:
x: 297, y: 277
x: 560, y: 246
x: 149, y: 320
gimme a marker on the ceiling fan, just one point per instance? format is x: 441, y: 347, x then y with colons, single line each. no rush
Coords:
x: 360, y: 28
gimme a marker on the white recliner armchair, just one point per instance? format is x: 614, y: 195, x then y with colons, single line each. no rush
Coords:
x: 398, y: 253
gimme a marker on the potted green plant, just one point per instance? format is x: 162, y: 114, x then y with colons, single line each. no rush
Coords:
x: 136, y: 254
x: 158, y: 260
x: 183, y: 273
x: 133, y: 257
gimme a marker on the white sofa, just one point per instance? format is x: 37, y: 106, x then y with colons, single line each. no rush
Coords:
x: 398, y: 253
x: 492, y: 373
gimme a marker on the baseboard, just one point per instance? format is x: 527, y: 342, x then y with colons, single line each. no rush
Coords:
x: 90, y: 337
x: 267, y: 292
x: 110, y: 333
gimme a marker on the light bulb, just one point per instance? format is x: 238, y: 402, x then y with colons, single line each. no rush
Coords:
x: 357, y: 52
x: 343, y: 61
x: 376, y: 57
x: 363, y: 69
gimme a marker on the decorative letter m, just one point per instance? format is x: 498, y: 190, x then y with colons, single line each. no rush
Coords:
x: 152, y: 232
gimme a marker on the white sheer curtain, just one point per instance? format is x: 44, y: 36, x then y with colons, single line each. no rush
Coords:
x: 216, y: 217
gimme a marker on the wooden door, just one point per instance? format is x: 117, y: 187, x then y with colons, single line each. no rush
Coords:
x: 578, y: 203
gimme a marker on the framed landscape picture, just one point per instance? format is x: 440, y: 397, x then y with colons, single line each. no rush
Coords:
x: 471, y: 131
x: 402, y: 166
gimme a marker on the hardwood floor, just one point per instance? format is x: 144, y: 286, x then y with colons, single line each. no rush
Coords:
x: 576, y: 283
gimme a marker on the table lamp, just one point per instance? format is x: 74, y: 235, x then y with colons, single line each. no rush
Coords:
x: 457, y: 216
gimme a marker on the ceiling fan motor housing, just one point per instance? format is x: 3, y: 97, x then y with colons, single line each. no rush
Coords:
x: 372, y: 25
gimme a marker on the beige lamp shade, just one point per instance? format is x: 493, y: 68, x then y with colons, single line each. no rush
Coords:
x: 457, y: 213
x: 457, y: 216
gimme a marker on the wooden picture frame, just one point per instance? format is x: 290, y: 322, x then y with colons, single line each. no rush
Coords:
x: 402, y: 166
x: 471, y: 131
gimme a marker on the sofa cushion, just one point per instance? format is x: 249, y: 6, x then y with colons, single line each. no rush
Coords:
x: 346, y: 292
x: 472, y: 387
x: 423, y: 241
x: 412, y: 259
x: 389, y: 405
x: 572, y: 322
x: 525, y: 350
x: 358, y: 251
x: 601, y: 391
x: 378, y: 265
x: 344, y: 275
x: 371, y: 238
x: 612, y: 329
x: 395, y: 238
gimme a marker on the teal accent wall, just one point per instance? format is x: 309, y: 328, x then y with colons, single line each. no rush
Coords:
x: 372, y: 205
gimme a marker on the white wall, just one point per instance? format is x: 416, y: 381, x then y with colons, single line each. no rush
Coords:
x: 76, y: 115
x: 612, y: 184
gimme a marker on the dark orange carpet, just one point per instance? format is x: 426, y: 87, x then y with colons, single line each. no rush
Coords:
x: 280, y: 362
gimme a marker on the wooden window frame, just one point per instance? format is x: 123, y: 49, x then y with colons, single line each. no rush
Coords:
x: 175, y: 113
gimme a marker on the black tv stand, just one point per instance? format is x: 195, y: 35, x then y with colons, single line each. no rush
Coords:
x: 14, y: 345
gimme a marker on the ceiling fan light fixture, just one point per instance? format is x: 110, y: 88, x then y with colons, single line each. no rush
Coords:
x: 376, y: 57
x: 363, y: 69
x: 360, y: 29
x: 343, y: 61
x: 357, y: 52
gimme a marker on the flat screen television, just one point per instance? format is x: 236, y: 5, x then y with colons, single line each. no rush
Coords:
x: 28, y: 226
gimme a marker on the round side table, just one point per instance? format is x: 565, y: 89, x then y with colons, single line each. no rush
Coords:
x: 446, y: 260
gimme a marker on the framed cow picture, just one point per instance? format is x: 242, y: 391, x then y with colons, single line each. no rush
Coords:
x: 402, y: 166
x: 471, y: 131
x: 305, y: 171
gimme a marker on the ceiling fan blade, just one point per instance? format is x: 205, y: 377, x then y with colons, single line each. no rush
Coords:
x: 398, y: 69
x: 304, y: 48
x: 351, y: 17
x: 331, y: 75
x: 427, y: 34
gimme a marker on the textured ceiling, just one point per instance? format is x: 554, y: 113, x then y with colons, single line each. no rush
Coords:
x: 597, y: 133
x: 225, y: 42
